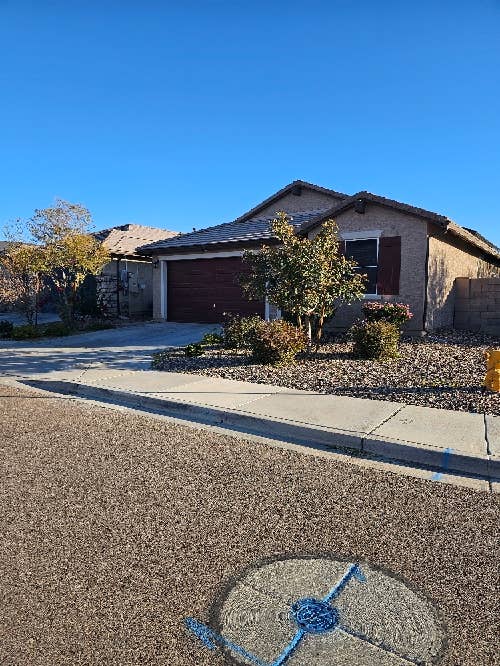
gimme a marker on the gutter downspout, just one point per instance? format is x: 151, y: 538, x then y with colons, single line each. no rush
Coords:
x: 426, y: 287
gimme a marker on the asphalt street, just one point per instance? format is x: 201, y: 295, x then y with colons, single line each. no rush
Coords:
x: 115, y: 527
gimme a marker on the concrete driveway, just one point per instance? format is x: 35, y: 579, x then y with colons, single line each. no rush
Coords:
x: 124, y: 348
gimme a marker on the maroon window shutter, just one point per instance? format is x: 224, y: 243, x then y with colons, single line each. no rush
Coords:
x: 389, y: 265
x: 342, y: 247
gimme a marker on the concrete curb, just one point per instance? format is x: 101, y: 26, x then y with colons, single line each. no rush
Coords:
x: 356, y: 443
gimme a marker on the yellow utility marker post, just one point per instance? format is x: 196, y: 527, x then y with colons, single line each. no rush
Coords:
x: 492, y: 379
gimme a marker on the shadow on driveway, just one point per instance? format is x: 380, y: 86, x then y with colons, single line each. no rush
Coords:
x: 127, y: 348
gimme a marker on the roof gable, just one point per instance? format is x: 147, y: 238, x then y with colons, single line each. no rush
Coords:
x: 296, y: 187
x: 360, y: 199
x: 253, y: 226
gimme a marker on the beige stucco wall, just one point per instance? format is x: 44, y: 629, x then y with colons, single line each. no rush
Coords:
x: 308, y: 200
x: 450, y: 258
x: 413, y: 232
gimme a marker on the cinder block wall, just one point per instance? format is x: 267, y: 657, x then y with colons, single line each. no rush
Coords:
x: 449, y: 259
x: 477, y: 305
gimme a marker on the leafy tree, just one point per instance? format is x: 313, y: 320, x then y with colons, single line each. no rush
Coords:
x: 21, y: 279
x: 70, y: 253
x: 305, y: 277
x: 60, y: 253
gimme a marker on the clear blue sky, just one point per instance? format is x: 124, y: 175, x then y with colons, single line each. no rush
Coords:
x: 186, y: 113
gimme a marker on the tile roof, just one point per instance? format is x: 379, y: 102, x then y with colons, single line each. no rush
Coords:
x: 255, y: 229
x: 127, y: 238
x: 249, y: 228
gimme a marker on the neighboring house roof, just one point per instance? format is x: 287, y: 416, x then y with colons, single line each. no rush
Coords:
x: 250, y: 229
x: 127, y: 238
x: 4, y: 245
x: 237, y: 232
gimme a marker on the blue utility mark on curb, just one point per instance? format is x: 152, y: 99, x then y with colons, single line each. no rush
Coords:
x: 445, y: 461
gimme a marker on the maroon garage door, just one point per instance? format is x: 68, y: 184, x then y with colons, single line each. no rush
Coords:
x: 201, y: 290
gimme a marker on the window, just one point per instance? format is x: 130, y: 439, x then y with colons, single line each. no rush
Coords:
x: 365, y: 253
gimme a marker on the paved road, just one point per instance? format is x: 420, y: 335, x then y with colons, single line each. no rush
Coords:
x: 118, y: 526
x: 127, y: 348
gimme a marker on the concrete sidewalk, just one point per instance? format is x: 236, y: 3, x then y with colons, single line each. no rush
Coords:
x: 444, y: 440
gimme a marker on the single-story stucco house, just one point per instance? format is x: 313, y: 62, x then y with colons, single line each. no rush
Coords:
x: 125, y: 284
x: 411, y: 255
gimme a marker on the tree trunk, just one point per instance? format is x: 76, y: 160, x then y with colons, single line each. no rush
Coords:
x: 307, y: 323
x: 321, y: 321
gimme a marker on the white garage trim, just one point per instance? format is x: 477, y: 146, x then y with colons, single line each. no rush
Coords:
x: 163, y: 290
x: 361, y: 235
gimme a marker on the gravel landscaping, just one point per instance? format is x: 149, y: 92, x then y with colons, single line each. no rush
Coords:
x: 444, y: 370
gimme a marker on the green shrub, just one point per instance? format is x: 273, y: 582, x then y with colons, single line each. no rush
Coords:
x: 196, y: 349
x: 25, y: 332
x: 375, y: 339
x: 212, y: 338
x: 56, y: 329
x: 6, y: 328
x: 238, y: 332
x: 277, y: 342
x: 394, y: 313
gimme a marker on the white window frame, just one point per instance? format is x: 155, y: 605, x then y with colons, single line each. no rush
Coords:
x: 373, y: 234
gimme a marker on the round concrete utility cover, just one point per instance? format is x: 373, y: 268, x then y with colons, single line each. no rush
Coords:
x: 325, y: 611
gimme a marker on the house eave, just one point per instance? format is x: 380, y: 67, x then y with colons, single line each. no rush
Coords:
x: 212, y: 247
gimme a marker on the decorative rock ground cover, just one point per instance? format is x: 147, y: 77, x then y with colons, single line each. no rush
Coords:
x: 444, y: 370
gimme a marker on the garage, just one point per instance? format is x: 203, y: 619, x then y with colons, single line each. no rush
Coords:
x: 201, y: 290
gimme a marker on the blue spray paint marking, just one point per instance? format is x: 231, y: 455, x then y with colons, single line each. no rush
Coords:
x: 355, y: 572
x: 310, y: 614
x: 380, y: 646
x: 445, y: 461
x: 292, y: 645
x: 210, y: 639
